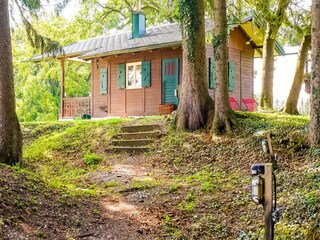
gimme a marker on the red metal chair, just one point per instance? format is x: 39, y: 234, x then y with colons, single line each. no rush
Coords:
x: 233, y: 103
x: 250, y: 104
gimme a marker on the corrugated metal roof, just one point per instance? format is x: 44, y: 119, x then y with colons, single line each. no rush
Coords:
x: 168, y: 35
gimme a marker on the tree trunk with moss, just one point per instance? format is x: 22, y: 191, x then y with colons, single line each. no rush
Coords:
x: 10, y: 133
x: 223, y: 113
x: 314, y: 131
x: 292, y: 100
x: 195, y: 103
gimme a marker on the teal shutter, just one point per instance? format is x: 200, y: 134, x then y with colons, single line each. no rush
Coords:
x: 146, y: 74
x: 231, y: 76
x: 103, y: 81
x: 212, y: 73
x: 121, y: 76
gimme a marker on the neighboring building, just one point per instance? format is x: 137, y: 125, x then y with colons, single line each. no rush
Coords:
x: 133, y: 73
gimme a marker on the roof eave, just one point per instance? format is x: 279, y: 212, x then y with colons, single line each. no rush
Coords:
x: 131, y: 50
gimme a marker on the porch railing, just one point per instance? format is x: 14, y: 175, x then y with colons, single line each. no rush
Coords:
x: 76, y: 106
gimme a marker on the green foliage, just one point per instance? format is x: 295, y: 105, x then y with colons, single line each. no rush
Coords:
x: 190, y: 25
x: 116, y: 14
x: 61, y: 153
x: 92, y: 158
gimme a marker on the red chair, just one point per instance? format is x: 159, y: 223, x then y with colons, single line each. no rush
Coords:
x: 250, y: 104
x: 233, y: 103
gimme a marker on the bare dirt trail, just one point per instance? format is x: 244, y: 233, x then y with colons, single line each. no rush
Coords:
x: 131, y: 200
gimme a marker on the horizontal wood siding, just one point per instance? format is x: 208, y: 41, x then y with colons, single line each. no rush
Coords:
x: 247, y: 75
x: 117, y: 96
x: 146, y: 101
x: 99, y: 101
x: 235, y: 57
x: 142, y: 101
x: 134, y: 102
x: 153, y: 93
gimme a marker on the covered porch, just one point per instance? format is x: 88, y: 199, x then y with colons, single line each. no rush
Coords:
x: 71, y: 107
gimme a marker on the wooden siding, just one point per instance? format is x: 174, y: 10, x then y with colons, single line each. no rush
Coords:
x: 247, y: 76
x: 99, y: 101
x: 146, y: 101
x: 130, y: 102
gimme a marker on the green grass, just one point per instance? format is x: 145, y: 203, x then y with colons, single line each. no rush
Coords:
x: 63, y: 153
x: 208, y: 181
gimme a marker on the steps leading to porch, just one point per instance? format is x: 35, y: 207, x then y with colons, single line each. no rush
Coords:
x: 139, y: 128
x: 132, y: 143
x: 135, y: 138
x: 139, y: 135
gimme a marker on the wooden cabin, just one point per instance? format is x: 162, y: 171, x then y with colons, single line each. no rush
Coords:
x: 134, y: 73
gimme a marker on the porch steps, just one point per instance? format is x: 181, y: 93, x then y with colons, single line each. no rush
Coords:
x: 139, y: 135
x: 132, y: 143
x: 129, y: 149
x: 135, y: 138
x: 139, y: 128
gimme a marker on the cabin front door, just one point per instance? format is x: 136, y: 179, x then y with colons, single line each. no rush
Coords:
x: 170, y: 80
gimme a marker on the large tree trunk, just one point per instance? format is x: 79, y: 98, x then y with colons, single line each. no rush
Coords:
x: 314, y: 131
x: 196, y: 105
x: 292, y: 100
x: 266, y: 100
x: 222, y: 116
x: 10, y: 134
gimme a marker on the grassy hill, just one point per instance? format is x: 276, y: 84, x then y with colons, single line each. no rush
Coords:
x: 190, y: 186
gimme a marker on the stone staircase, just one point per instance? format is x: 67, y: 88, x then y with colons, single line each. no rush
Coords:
x: 135, y: 138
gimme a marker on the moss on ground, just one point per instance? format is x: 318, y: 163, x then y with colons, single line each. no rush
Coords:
x: 195, y: 185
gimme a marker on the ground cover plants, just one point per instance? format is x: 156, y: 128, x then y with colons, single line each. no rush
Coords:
x: 189, y: 186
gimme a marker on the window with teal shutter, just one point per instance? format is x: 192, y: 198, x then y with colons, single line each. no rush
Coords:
x: 231, y: 76
x: 146, y: 78
x: 212, y: 73
x: 121, y: 76
x: 103, y: 81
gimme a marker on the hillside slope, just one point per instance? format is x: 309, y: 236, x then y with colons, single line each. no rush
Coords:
x: 189, y: 186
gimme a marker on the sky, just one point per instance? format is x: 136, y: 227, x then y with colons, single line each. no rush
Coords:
x: 283, y: 75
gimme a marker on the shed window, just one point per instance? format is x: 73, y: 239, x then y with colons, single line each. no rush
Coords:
x: 133, y: 78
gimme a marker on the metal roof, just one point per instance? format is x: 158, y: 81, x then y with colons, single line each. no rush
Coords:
x: 167, y: 35
x: 156, y: 37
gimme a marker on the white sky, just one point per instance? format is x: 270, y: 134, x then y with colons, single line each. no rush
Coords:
x: 283, y: 75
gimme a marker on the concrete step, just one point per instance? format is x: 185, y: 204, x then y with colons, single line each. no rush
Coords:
x: 132, y: 143
x: 139, y: 128
x: 128, y: 149
x: 139, y: 135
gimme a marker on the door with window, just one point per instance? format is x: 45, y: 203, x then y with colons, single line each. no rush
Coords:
x: 170, y: 80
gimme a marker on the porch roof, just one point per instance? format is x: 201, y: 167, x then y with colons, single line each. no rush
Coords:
x: 167, y: 35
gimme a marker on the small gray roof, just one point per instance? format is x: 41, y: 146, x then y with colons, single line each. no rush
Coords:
x: 156, y: 37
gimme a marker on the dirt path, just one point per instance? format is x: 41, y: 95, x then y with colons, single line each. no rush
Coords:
x: 131, y: 197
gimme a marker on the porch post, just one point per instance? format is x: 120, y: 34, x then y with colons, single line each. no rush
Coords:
x: 62, y: 87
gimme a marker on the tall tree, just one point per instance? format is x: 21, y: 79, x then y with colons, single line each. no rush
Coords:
x: 291, y: 105
x: 223, y: 120
x: 298, y: 30
x: 10, y: 133
x: 273, y: 13
x: 314, y: 131
x: 195, y: 104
